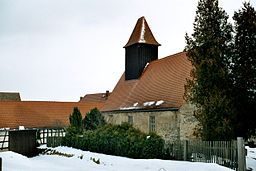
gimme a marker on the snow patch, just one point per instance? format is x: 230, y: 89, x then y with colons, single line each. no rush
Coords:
x: 129, y: 108
x: 85, y: 160
x: 158, y: 103
x: 3, y: 129
x: 21, y: 128
x: 142, y: 33
x: 135, y: 104
x: 149, y: 103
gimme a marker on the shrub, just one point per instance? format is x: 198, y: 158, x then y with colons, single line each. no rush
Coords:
x: 75, y: 120
x: 120, y: 140
x: 93, y: 119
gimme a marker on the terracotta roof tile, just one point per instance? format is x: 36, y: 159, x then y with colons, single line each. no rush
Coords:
x: 142, y: 34
x: 35, y: 114
x: 162, y: 82
x: 97, y: 97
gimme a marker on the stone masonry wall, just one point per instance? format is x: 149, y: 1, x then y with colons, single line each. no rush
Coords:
x: 171, y: 125
x: 188, y: 122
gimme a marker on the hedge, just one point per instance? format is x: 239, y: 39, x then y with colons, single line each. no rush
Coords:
x: 119, y: 140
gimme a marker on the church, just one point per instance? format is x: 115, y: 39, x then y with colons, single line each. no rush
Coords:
x: 149, y: 95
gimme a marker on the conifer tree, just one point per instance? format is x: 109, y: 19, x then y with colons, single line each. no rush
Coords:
x: 209, y: 50
x: 93, y: 119
x: 244, y: 69
x: 75, y: 120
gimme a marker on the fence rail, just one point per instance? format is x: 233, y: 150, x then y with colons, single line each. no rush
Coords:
x: 221, y: 152
x: 43, y: 136
x: 4, y: 139
x: 224, y: 153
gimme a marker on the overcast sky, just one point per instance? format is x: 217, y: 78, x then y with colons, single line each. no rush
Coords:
x: 59, y: 50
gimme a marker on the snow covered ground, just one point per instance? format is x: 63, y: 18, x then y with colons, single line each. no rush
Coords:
x: 69, y: 159
x: 251, y: 158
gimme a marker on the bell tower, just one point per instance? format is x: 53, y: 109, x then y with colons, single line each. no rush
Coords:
x: 140, y: 49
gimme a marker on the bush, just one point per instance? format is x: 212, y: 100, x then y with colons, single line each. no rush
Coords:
x: 120, y: 140
x: 93, y: 119
x: 75, y: 120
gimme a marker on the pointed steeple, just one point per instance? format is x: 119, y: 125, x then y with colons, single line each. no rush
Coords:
x: 142, y: 34
x: 141, y: 49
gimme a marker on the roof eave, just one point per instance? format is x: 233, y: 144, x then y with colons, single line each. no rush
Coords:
x: 142, y: 110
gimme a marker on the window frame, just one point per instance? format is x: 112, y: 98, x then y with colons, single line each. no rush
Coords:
x: 152, y: 123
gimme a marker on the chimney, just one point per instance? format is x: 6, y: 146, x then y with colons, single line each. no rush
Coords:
x: 81, y: 98
x: 106, y: 94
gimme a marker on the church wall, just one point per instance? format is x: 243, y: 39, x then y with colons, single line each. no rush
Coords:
x: 188, y: 122
x: 171, y: 125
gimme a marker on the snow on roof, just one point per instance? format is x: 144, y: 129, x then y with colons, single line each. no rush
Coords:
x: 158, y: 103
x: 142, y: 33
x: 135, y: 104
x: 129, y: 108
x: 149, y: 103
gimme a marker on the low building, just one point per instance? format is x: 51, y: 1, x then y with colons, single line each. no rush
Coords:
x: 39, y: 114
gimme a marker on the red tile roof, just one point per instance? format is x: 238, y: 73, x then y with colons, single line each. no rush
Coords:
x: 160, y: 86
x: 36, y: 114
x: 97, y: 97
x: 142, y: 34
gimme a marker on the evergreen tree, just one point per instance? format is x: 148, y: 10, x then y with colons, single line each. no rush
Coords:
x: 75, y: 120
x: 93, y: 119
x: 244, y: 69
x: 209, y: 50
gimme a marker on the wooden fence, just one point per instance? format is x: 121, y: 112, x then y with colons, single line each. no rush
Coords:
x: 23, y: 142
x: 226, y: 153
x: 45, y: 135
x: 52, y: 137
x: 4, y: 139
x: 221, y: 152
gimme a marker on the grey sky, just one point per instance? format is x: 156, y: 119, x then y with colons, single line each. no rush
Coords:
x: 62, y: 49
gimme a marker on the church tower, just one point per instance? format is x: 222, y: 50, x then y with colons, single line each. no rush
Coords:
x: 140, y: 49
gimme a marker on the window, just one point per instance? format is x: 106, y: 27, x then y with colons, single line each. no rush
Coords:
x: 152, y: 124
x: 130, y: 120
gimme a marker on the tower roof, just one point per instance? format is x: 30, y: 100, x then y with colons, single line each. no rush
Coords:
x: 142, y: 34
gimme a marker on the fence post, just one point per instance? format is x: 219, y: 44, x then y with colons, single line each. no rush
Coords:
x: 185, y: 151
x: 241, y: 154
x: 0, y: 164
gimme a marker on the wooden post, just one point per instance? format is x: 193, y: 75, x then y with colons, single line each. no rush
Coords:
x: 1, y: 164
x: 241, y: 154
x: 185, y: 152
x: 5, y: 134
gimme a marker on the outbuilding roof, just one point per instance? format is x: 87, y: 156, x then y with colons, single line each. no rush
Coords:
x: 96, y: 97
x: 40, y: 114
